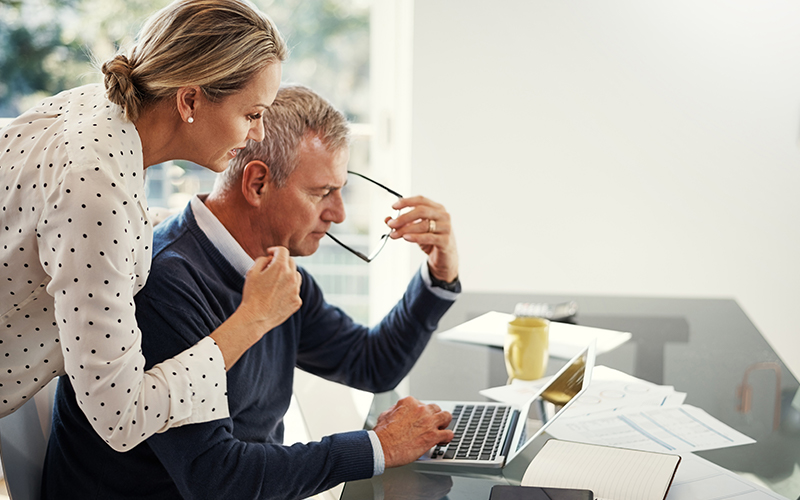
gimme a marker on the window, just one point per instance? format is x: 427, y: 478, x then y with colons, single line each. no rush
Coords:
x: 45, y: 47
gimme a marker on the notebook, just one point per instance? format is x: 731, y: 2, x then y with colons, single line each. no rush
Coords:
x: 611, y: 473
x: 492, y: 434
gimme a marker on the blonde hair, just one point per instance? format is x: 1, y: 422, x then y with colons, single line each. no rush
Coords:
x: 216, y: 44
x: 297, y: 112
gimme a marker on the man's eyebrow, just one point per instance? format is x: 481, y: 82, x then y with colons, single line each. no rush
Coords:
x: 326, y: 187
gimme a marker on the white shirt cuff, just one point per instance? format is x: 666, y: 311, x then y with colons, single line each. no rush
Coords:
x: 439, y: 292
x: 377, y: 452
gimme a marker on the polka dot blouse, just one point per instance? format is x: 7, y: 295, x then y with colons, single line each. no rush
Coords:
x: 75, y: 248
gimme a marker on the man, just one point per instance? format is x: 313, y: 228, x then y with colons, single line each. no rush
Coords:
x: 279, y: 197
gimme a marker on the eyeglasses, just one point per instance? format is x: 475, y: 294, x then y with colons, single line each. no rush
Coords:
x: 354, y: 185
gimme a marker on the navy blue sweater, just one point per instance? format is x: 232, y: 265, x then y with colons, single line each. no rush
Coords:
x: 191, y: 290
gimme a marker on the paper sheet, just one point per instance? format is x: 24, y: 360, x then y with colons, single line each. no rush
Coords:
x: 517, y: 393
x: 699, y: 479
x: 615, y: 397
x: 610, y: 390
x: 566, y: 339
x: 668, y: 430
x: 614, y: 391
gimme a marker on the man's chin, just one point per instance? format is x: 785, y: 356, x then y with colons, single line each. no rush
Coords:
x: 309, y: 248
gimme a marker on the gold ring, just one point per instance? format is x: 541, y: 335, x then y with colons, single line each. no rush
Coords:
x: 431, y: 226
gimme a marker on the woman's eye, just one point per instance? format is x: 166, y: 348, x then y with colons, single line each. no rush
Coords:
x: 255, y: 116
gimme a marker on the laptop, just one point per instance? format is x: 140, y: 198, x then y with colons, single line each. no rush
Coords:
x: 490, y: 434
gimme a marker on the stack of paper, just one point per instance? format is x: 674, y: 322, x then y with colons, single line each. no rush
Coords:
x: 624, y: 411
x: 566, y: 339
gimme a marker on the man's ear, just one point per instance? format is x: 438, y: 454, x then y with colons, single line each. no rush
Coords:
x: 187, y: 100
x: 255, y: 182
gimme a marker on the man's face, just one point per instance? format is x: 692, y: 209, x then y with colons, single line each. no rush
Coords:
x: 299, y: 214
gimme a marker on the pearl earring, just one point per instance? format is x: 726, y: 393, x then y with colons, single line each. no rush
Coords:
x: 191, y: 119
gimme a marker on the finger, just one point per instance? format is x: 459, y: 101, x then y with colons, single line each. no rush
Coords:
x: 435, y: 408
x: 436, y: 240
x: 260, y: 264
x: 445, y: 436
x: 413, y: 201
x: 442, y: 419
x: 440, y: 227
x: 417, y: 214
x: 281, y: 253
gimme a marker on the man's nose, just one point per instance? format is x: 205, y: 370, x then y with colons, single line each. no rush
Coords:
x: 336, y: 213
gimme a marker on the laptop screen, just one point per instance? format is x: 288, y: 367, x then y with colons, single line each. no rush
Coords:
x: 557, y: 395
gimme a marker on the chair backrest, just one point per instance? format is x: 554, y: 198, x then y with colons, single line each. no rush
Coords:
x: 327, y: 408
x: 23, y: 443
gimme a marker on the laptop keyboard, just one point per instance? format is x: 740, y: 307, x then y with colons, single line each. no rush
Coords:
x: 477, y: 431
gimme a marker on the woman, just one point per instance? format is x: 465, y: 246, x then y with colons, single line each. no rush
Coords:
x: 76, y: 239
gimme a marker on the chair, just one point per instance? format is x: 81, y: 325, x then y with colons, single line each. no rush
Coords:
x: 23, y: 443
x: 326, y: 408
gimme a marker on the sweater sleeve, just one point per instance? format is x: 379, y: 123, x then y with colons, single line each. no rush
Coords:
x: 93, y: 246
x: 376, y: 360
x: 207, y: 460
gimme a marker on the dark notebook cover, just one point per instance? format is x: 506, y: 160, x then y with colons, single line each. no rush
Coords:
x: 501, y: 492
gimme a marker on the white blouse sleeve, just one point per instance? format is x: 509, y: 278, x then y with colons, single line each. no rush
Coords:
x: 95, y: 243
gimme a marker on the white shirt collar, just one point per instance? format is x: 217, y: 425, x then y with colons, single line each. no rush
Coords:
x: 220, y: 237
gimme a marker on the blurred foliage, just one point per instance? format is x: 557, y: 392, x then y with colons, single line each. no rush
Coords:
x: 48, y: 45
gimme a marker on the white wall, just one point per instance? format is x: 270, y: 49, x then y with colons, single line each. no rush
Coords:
x: 617, y: 147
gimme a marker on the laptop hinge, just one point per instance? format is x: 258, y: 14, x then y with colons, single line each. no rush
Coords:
x: 510, y: 437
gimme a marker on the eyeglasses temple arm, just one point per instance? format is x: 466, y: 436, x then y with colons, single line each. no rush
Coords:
x: 376, y: 183
x: 351, y: 250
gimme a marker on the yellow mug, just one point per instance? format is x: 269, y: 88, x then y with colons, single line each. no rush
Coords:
x: 526, y: 348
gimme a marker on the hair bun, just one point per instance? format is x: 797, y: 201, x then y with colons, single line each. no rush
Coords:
x: 120, y: 88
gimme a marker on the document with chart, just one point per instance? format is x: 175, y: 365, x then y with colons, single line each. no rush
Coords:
x: 668, y: 430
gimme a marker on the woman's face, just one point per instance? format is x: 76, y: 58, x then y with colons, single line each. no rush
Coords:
x: 221, y: 129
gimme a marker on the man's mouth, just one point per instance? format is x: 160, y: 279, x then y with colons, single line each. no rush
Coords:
x: 234, y: 152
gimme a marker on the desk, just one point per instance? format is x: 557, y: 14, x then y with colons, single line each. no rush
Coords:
x: 703, y: 347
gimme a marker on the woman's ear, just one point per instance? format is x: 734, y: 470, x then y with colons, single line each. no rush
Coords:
x: 255, y: 182
x: 187, y: 100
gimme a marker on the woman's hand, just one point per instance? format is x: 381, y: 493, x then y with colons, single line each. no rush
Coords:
x: 272, y: 289
x: 271, y: 295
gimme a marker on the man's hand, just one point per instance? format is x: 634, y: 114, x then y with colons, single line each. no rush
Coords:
x: 428, y: 224
x: 409, y: 428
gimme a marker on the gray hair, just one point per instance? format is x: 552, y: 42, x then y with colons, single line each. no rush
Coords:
x: 296, y: 113
x: 216, y: 44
